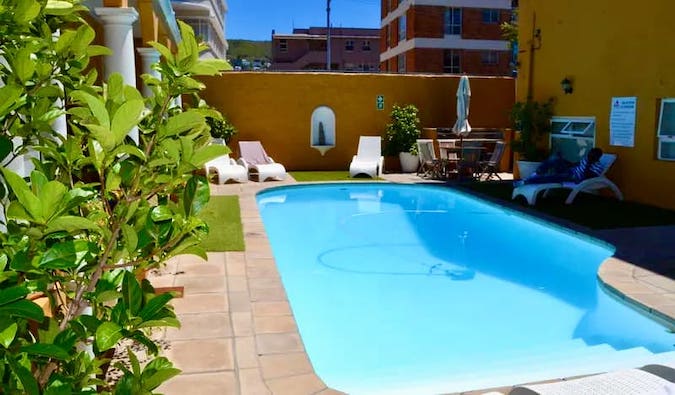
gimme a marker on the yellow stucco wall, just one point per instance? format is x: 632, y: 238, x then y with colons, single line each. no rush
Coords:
x: 276, y: 108
x: 609, y: 48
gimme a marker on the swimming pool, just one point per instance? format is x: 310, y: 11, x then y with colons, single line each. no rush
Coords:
x: 419, y: 290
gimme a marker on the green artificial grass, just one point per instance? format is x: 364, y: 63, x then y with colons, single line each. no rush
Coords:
x: 223, y: 216
x: 591, y: 211
x: 313, y: 176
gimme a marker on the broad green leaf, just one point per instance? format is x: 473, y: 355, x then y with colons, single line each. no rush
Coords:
x: 24, y: 66
x: 65, y: 255
x: 96, y: 106
x: 126, y: 117
x: 46, y: 350
x: 164, y: 51
x: 71, y: 223
x: 30, y: 385
x: 9, y: 95
x: 16, y: 211
x: 129, y: 150
x: 23, y: 308
x: 189, y: 249
x: 188, y: 51
x: 12, y: 294
x: 132, y: 93
x: 64, y: 41
x: 107, y: 335
x: 182, y: 122
x: 161, y: 213
x: 98, y: 50
x: 159, y: 323
x: 23, y: 193
x: 210, y: 67
x: 112, y: 180
x: 196, y: 195
x: 115, y: 88
x: 103, y: 135
x: 155, y: 305
x: 132, y: 293
x: 37, y: 181
x: 205, y: 154
x: 158, y: 376
x: 26, y: 11
x: 83, y: 37
x: 51, y: 196
x: 8, y: 332
x: 130, y: 238
x: 58, y: 7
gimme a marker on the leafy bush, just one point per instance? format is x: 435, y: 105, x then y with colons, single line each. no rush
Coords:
x: 99, y: 209
x: 402, y: 132
x: 532, y: 120
x: 221, y: 128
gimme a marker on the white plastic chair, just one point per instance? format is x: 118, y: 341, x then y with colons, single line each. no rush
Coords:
x: 368, y: 159
x: 593, y: 185
x: 227, y: 169
x: 257, y: 163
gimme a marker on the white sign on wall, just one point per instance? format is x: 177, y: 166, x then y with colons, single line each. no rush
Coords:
x: 622, y: 121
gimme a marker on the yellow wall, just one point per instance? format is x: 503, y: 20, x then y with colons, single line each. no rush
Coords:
x: 276, y: 108
x: 609, y: 48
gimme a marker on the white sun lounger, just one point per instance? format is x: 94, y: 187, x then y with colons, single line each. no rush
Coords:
x: 257, y: 163
x: 227, y: 169
x: 368, y: 159
x: 531, y: 191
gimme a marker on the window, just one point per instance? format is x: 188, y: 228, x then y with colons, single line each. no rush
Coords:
x: 489, y: 57
x: 401, y: 63
x: 452, y: 23
x: 349, y: 45
x: 283, y: 45
x: 365, y: 46
x: 666, y: 132
x: 401, y: 28
x: 573, y: 137
x: 490, y: 16
x: 451, y: 62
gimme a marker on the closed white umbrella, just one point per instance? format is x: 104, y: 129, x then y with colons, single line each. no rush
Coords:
x: 462, y: 127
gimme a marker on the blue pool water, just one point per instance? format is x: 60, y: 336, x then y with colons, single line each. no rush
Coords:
x: 418, y: 290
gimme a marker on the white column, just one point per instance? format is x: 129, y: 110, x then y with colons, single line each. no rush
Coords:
x: 149, y: 56
x: 118, y: 35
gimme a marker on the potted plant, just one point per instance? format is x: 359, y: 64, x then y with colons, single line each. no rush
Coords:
x: 401, y: 134
x: 221, y: 130
x: 532, y: 123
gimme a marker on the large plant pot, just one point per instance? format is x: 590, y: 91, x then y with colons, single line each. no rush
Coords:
x: 409, y: 162
x: 526, y: 168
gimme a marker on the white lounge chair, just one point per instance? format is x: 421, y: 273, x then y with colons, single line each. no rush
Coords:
x: 531, y: 191
x: 368, y: 159
x: 227, y: 169
x: 257, y: 163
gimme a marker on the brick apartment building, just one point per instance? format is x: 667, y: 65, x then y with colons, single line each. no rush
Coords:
x: 352, y: 49
x: 445, y: 36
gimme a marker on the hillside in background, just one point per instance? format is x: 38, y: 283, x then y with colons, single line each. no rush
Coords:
x: 247, y: 49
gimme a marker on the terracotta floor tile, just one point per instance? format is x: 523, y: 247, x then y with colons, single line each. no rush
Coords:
x: 282, y: 365
x: 201, y: 356
x: 202, y: 284
x: 251, y: 383
x: 201, y: 326
x: 268, y: 294
x: 202, y: 268
x: 200, y: 303
x: 242, y: 323
x: 237, y: 284
x: 275, y: 324
x: 236, y: 268
x: 245, y: 352
x: 278, y: 343
x: 271, y: 308
x: 207, y: 383
x: 239, y: 301
x: 264, y: 282
x: 296, y: 385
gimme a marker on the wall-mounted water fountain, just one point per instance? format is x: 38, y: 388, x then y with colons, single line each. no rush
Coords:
x: 322, y: 135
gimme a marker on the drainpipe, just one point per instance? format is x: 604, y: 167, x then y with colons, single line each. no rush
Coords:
x: 328, y: 35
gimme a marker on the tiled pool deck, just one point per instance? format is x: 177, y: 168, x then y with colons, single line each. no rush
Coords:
x: 239, y: 336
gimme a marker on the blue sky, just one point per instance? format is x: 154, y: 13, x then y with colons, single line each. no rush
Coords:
x: 255, y: 19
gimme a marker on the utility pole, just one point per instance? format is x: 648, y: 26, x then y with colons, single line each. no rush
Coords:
x: 328, y: 35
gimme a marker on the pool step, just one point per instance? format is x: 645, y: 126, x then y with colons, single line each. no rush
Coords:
x: 567, y: 363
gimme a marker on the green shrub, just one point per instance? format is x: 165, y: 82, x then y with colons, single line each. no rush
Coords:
x: 402, y: 132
